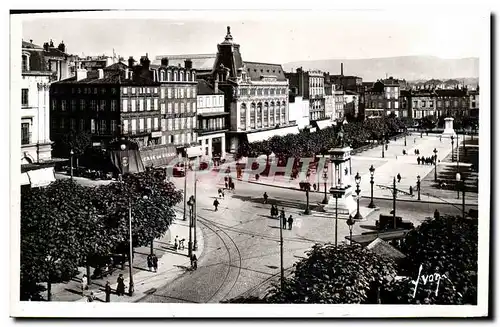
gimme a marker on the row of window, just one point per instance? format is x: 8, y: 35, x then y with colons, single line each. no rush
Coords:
x: 210, y: 101
x: 178, y: 108
x: 179, y: 139
x: 176, y: 76
x: 424, y: 103
x: 174, y: 124
x: 82, y: 104
x: 141, y: 105
x: 95, y: 126
x: 140, y: 125
x: 178, y: 92
x: 381, y: 105
x: 139, y: 90
x: 212, y: 124
x: 259, y: 118
x: 262, y: 91
x: 316, y: 82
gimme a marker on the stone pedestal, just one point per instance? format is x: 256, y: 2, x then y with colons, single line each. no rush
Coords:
x: 448, y: 128
x: 342, y: 183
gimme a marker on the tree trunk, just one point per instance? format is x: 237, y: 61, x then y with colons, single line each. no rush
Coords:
x: 77, y: 161
x: 49, y: 290
x: 88, y: 272
x: 151, y: 247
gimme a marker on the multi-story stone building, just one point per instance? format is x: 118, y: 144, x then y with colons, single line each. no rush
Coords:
x: 255, y: 95
x: 474, y: 103
x: 212, y: 123
x: 310, y: 85
x: 382, y: 99
x: 351, y: 103
x: 110, y: 103
x: 39, y: 67
x: 329, y: 101
x: 178, y: 98
x: 452, y: 102
x: 391, y: 91
x: 298, y: 109
x: 423, y: 103
x: 338, y: 95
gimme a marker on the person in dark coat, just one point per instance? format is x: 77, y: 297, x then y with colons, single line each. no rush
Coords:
x: 194, y: 262
x: 154, y: 261
x: 436, y: 214
x: 216, y: 204
x: 107, y: 290
x: 418, y: 160
x: 290, y: 222
x: 284, y: 222
x: 411, y: 190
x: 399, y: 178
x: 265, y: 197
x: 226, y: 182
x: 120, y: 288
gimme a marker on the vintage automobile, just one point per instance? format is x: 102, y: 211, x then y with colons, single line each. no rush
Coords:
x: 386, y: 222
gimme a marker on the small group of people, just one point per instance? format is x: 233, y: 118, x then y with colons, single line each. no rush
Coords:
x: 152, y: 262
x: 228, y: 182
x: 274, y: 211
x: 220, y: 192
x: 179, y: 244
x: 284, y: 220
x: 426, y: 160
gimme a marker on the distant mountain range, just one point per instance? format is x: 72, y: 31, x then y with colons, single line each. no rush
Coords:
x: 408, y: 67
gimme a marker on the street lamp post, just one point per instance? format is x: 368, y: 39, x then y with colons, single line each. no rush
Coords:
x: 350, y: 222
x: 383, y: 145
x: 325, y: 178
x: 435, y: 164
x: 336, y: 193
x: 357, y: 179
x: 185, y: 189
x: 452, y: 148
x: 195, y: 242
x: 405, y: 135
x: 190, y: 243
x: 71, y: 153
x: 131, y: 251
x: 418, y: 186
x: 372, y: 172
x: 458, y: 178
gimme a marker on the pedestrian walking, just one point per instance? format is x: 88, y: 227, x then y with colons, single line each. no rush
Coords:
x: 222, y: 192
x: 282, y: 214
x: 176, y: 243
x: 154, y: 260
x: 85, y: 285
x: 219, y: 192
x: 399, y: 178
x: 440, y: 137
x: 414, y: 140
x: 150, y: 262
x: 194, y: 262
x: 120, y: 288
x: 411, y: 190
x: 265, y: 197
x: 284, y: 222
x: 314, y: 187
x: 216, y: 204
x: 386, y: 147
x: 226, y: 180
x: 436, y: 214
x: 290, y: 222
x: 181, y: 244
x: 418, y: 160
x: 107, y: 290
x: 274, y: 211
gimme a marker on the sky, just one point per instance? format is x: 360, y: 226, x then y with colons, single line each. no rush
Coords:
x: 270, y: 36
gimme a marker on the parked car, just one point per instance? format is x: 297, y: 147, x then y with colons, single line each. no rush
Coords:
x: 387, y: 222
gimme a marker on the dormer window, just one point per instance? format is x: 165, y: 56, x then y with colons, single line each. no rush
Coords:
x: 162, y: 75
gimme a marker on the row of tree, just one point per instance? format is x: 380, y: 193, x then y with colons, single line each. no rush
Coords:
x: 305, y: 144
x: 66, y: 225
x: 444, y: 247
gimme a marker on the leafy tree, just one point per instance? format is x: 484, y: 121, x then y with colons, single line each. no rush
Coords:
x: 448, y: 246
x: 59, y: 228
x: 334, y: 275
x: 428, y: 122
x: 79, y: 142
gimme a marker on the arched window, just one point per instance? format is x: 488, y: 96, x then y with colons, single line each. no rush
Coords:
x: 243, y: 116
x: 266, y: 112
x: 162, y: 75
x: 282, y: 112
x: 25, y: 62
x: 175, y: 76
x: 169, y: 76
x: 188, y: 76
x: 181, y: 76
x: 258, y: 115
x: 252, y: 115
x: 193, y: 77
x: 271, y: 115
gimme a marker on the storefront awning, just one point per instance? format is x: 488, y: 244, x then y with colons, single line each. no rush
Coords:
x: 194, y: 151
x: 41, y: 177
x: 157, y: 157
x: 265, y: 135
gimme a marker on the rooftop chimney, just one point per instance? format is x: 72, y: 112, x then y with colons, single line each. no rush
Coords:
x: 145, y: 62
x: 188, y: 64
x: 46, y: 46
x: 131, y: 62
x: 61, y: 47
x: 341, y: 69
x: 101, y: 73
x: 164, y: 61
x: 81, y: 74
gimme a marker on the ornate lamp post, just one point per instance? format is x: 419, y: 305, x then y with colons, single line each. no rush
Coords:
x: 458, y: 178
x: 337, y: 194
x: 372, y: 172
x: 190, y: 203
x: 350, y: 222
x: 435, y: 164
x: 307, y: 186
x: 452, y: 139
x: 418, y: 186
x: 357, y: 179
x: 71, y: 153
x: 383, y: 145
x: 325, y: 179
x: 405, y: 135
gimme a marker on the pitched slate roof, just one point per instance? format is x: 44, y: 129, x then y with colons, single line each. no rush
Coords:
x: 204, y: 88
x: 451, y: 93
x: 110, y: 77
x: 29, y: 45
x: 257, y: 69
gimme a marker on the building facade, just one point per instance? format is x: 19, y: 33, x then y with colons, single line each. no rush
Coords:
x: 212, y: 123
x: 391, y: 94
x: 255, y: 95
x: 351, y: 103
x: 474, y: 103
x: 329, y: 101
x: 382, y: 99
x: 298, y: 108
x: 310, y: 85
x: 109, y: 103
x: 423, y: 103
x: 339, y: 103
x: 452, y: 102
